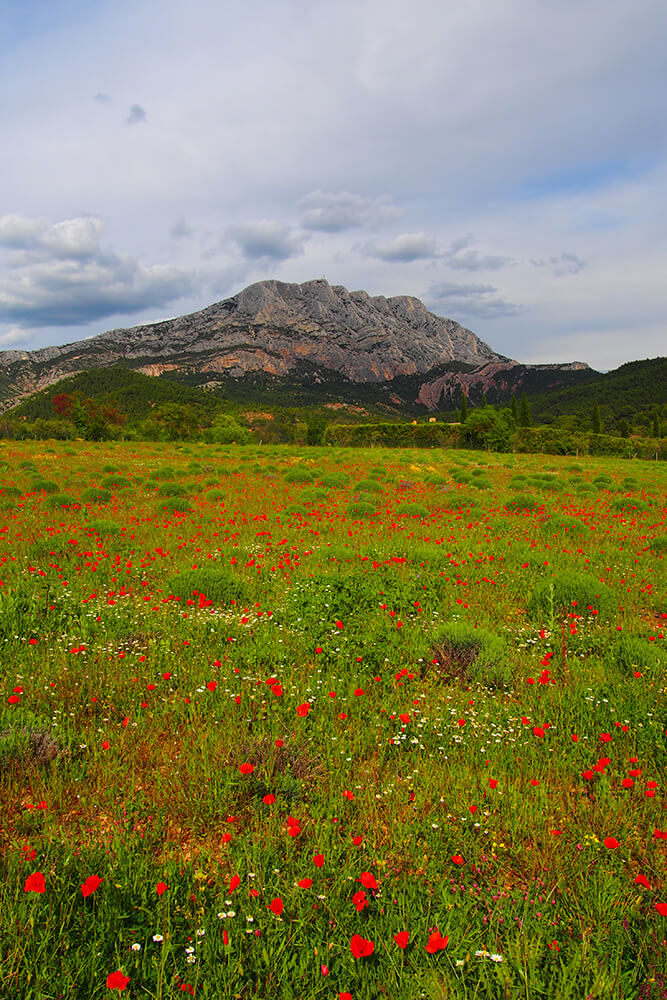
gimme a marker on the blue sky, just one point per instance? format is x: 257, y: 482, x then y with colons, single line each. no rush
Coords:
x: 505, y: 162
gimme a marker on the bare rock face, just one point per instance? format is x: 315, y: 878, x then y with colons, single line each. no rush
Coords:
x: 498, y: 380
x: 272, y: 327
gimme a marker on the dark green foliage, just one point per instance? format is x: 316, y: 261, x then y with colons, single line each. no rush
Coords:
x: 635, y: 653
x: 515, y: 410
x: 299, y: 476
x: 361, y: 508
x: 175, y: 505
x: 464, y: 408
x: 575, y: 593
x: 524, y: 411
x: 489, y: 428
x: 523, y: 501
x: 407, y: 509
x: 116, y: 482
x: 335, y: 480
x: 597, y: 420
x: 103, y: 526
x: 44, y: 486
x: 172, y: 490
x: 96, y: 494
x: 368, y: 486
x: 217, y: 584
x: 461, y: 652
x: 164, y: 473
x: 57, y: 500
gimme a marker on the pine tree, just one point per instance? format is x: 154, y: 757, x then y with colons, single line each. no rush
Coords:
x: 515, y: 410
x: 597, y: 420
x: 655, y: 425
x: 524, y: 412
x: 464, y: 408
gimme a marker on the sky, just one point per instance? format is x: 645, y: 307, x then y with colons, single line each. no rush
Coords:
x: 505, y: 162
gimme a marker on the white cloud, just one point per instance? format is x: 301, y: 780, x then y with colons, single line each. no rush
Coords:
x: 335, y: 213
x: 406, y: 247
x: 15, y: 335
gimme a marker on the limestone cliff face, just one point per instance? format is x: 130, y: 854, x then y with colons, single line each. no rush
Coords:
x: 271, y: 327
x: 498, y: 380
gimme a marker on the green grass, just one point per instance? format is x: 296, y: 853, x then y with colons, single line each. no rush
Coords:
x: 389, y: 723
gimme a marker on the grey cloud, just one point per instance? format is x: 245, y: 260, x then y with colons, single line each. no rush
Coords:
x: 62, y: 276
x: 470, y: 300
x: 17, y: 232
x: 180, y: 230
x: 101, y: 98
x: 565, y: 264
x: 137, y: 114
x: 471, y: 260
x: 266, y: 239
x: 404, y: 248
x: 334, y: 213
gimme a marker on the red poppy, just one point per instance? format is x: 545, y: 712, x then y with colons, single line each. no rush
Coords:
x: 611, y: 843
x: 35, y: 883
x: 91, y: 885
x: 117, y: 981
x: 234, y: 883
x: 212, y: 685
x: 277, y: 906
x: 493, y: 782
x: 402, y: 938
x: 305, y: 883
x: 368, y: 881
x: 457, y: 859
x: 303, y: 710
x: 344, y: 996
x: 269, y: 799
x: 161, y: 887
x: 246, y: 768
x: 318, y: 860
x: 662, y: 909
x: 359, y: 900
x: 436, y: 942
x: 361, y: 947
x: 642, y: 880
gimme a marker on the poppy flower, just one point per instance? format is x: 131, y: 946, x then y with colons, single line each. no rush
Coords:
x: 318, y: 860
x: 368, y: 881
x: 246, y: 768
x: 359, y: 900
x: 305, y: 883
x: 493, y: 782
x: 436, y: 942
x: 642, y: 880
x: 277, y: 906
x: 268, y: 799
x: 234, y: 883
x: 161, y: 887
x: 91, y: 885
x: 303, y: 710
x: 402, y: 938
x: 457, y: 859
x: 212, y: 685
x: 611, y: 843
x: 344, y: 996
x: 117, y: 981
x: 662, y: 909
x: 361, y: 947
x: 35, y: 883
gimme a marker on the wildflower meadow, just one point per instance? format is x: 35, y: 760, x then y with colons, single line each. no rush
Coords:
x: 331, y: 723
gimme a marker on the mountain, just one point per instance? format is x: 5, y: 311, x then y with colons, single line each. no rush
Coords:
x: 275, y: 336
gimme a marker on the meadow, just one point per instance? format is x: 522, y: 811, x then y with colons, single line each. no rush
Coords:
x: 331, y: 723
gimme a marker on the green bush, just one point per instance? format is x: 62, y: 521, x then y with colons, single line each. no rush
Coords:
x: 461, y: 652
x: 44, y: 486
x: 658, y: 544
x: 166, y: 472
x: 523, y: 501
x: 216, y: 583
x: 175, y: 505
x: 368, y: 486
x: 335, y: 480
x: 172, y: 490
x: 635, y: 653
x: 96, y: 494
x: 103, y: 526
x: 407, y: 509
x: 116, y: 483
x: 57, y: 500
x: 579, y: 593
x: 299, y: 476
x: 362, y: 508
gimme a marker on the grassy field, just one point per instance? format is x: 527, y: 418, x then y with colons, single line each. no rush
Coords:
x: 331, y: 724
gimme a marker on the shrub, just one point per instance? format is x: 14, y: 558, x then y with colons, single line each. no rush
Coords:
x: 368, y: 486
x: 96, y: 494
x: 164, y: 473
x: 635, y: 653
x: 176, y: 505
x: 361, y: 508
x: 580, y: 593
x: 172, y: 490
x: 658, y: 544
x: 299, y: 476
x: 523, y: 501
x: 470, y: 655
x: 314, y: 495
x: 103, y: 526
x: 335, y: 480
x: 407, y: 509
x: 214, y: 496
x: 57, y: 500
x: 216, y: 583
x: 116, y: 483
x: 44, y: 486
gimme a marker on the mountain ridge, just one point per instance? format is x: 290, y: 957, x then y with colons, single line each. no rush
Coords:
x: 279, y: 329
